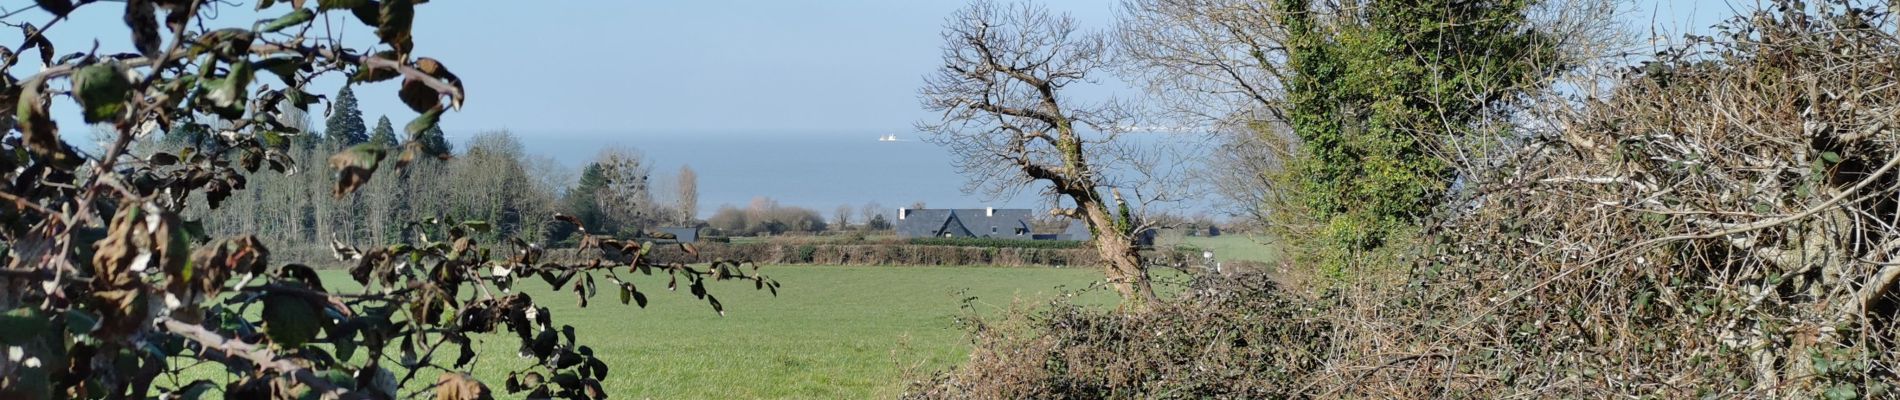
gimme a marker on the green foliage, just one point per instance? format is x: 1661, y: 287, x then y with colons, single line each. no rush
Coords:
x: 385, y: 134
x: 583, y: 200
x: 1379, y: 94
x: 434, y: 142
x: 344, y: 126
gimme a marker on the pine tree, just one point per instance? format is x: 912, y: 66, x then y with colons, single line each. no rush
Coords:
x: 384, y: 134
x: 344, y: 126
x: 583, y: 202
x: 435, y: 143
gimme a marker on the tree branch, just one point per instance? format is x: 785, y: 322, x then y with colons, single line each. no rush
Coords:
x: 219, y: 347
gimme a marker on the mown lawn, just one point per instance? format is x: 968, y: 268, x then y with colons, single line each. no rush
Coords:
x: 833, y: 331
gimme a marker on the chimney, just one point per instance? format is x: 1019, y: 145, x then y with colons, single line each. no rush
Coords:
x: 902, y: 212
x: 989, y: 211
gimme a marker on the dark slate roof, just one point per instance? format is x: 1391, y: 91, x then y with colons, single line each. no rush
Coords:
x: 682, y: 234
x: 965, y: 222
x: 1002, y: 223
x: 921, y: 223
x: 1077, y: 230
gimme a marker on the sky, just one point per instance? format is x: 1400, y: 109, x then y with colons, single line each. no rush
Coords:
x: 603, y: 68
x: 569, y: 77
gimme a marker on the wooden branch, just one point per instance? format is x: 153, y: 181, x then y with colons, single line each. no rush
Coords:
x: 1050, y: 119
x: 266, y: 49
x: 226, y: 349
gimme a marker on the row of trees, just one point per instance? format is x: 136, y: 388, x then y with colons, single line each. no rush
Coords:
x: 494, y: 179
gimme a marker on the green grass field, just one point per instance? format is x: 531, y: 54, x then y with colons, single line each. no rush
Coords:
x: 833, y: 332
x: 1236, y: 247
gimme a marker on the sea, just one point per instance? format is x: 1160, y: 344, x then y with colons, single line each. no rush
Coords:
x: 816, y: 170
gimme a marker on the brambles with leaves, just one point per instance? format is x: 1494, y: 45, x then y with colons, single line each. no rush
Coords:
x: 109, y: 277
x: 1720, y: 224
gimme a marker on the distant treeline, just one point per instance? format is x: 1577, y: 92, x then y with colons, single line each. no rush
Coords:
x: 492, y: 180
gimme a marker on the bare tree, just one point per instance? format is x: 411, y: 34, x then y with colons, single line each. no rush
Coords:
x: 627, y: 198
x: 843, y: 217
x: 688, y: 182
x: 1008, y: 127
x: 871, y: 210
x: 1210, y: 61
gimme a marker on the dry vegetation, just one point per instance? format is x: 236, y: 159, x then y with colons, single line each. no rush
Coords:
x: 1721, y: 223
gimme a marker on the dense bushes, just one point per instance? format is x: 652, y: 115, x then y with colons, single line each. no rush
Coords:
x: 765, y: 217
x: 1719, y: 223
x: 1233, y: 337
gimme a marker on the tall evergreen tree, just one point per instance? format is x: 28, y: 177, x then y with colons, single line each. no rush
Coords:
x: 435, y: 142
x: 344, y: 126
x: 583, y: 202
x: 384, y: 134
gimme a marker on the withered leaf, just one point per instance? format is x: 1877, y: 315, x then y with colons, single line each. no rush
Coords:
x: 142, y: 17
x: 354, y: 166
x: 460, y: 386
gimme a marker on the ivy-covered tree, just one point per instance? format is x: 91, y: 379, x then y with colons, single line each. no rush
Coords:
x: 112, y: 284
x: 344, y: 125
x: 1383, y: 95
x: 385, y: 134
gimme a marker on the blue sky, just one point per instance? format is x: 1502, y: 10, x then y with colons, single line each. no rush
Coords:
x: 587, y: 69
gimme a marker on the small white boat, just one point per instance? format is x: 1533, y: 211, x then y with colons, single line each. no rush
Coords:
x: 887, y: 138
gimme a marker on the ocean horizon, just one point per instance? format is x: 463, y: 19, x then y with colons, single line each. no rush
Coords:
x: 816, y: 170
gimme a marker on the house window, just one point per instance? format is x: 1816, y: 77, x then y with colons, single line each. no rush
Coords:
x: 992, y: 230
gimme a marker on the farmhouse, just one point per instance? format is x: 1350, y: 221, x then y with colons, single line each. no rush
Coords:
x: 964, y: 222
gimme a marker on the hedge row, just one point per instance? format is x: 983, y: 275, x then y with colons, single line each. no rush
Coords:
x: 997, y: 243
x: 875, y: 254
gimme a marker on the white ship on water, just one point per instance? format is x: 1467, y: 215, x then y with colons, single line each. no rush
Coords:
x: 887, y: 138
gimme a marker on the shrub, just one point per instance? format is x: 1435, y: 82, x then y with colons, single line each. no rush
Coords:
x: 1224, y: 338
